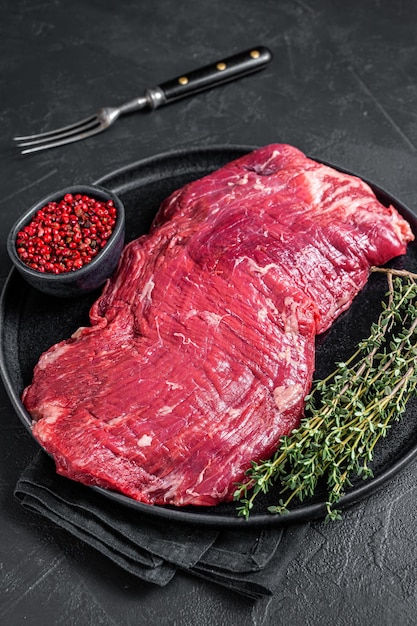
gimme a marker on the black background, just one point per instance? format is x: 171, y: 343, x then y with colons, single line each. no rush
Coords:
x: 342, y: 87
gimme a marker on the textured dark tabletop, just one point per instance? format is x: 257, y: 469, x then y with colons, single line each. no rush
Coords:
x: 343, y: 88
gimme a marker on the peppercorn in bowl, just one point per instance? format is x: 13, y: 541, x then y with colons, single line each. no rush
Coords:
x: 70, y: 242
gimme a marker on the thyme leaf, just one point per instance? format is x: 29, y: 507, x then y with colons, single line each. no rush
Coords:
x: 346, y: 413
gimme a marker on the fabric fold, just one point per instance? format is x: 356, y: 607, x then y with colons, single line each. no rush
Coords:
x: 249, y: 561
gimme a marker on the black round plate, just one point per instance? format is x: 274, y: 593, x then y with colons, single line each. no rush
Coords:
x: 31, y: 322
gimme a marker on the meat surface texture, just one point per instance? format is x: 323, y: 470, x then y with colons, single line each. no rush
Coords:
x: 201, y: 347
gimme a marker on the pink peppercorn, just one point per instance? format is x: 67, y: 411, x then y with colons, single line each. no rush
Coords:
x: 74, y: 229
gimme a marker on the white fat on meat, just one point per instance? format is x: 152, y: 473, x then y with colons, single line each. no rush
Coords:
x: 55, y: 353
x: 213, y: 319
x: 145, y: 296
x: 186, y: 340
x: 165, y: 410
x: 50, y: 412
x: 145, y: 441
x: 286, y: 397
x: 172, y: 385
x: 259, y: 269
x: 289, y: 315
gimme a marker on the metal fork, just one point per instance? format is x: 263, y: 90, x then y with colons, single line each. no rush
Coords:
x: 195, y: 81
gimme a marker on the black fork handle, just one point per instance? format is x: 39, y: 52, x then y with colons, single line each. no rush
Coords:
x: 218, y: 73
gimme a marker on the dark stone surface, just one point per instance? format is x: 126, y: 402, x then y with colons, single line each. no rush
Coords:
x: 343, y: 88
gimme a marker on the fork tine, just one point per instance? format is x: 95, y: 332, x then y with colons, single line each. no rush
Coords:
x: 36, y: 147
x: 49, y: 134
x: 61, y: 133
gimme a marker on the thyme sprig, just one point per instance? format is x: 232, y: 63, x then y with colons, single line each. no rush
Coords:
x: 347, y: 412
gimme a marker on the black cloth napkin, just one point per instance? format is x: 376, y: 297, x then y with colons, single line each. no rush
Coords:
x: 250, y: 561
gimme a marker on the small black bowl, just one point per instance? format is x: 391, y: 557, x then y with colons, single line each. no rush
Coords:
x: 92, y: 275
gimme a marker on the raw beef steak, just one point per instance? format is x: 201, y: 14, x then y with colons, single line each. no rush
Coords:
x: 201, y: 347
